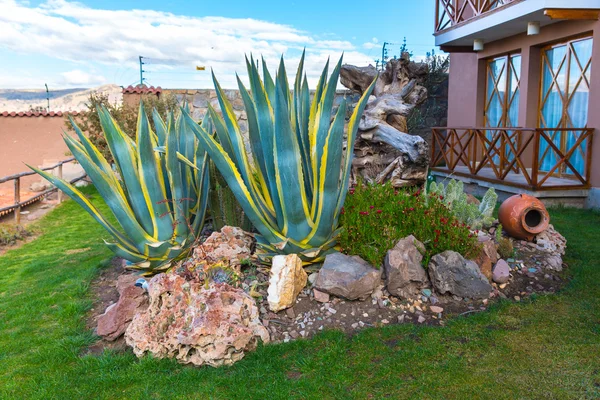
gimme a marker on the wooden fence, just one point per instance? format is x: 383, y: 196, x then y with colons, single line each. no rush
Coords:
x: 535, y: 154
x: 19, y: 203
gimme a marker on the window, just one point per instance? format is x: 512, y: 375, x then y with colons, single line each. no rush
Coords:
x: 502, y: 104
x: 502, y: 91
x: 564, y: 100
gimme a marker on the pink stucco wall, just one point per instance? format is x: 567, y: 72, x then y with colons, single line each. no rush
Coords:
x: 467, y: 80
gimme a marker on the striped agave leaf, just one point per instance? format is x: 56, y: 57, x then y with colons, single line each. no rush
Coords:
x: 158, y: 200
x: 293, y: 184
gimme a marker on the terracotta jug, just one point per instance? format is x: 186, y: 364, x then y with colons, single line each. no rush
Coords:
x: 523, y: 216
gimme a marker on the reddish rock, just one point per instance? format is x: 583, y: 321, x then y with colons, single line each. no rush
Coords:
x: 196, y: 324
x: 491, y: 251
x: 484, y: 263
x: 117, y: 317
x: 231, y: 244
x: 321, y: 297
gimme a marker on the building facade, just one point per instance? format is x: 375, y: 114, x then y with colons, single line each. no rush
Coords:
x: 524, y: 97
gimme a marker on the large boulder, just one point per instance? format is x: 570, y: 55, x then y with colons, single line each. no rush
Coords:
x: 404, y: 274
x: 117, y: 317
x: 349, y: 277
x: 287, y: 279
x: 195, y: 324
x: 451, y: 273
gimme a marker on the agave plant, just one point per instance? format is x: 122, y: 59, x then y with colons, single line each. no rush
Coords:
x: 293, y: 183
x: 158, y: 200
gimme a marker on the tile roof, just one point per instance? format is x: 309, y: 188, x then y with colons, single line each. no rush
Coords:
x: 142, y: 89
x: 37, y: 113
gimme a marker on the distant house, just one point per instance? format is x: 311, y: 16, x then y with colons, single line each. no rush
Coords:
x: 524, y: 97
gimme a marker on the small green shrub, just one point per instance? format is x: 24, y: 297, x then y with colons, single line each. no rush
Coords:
x: 11, y: 234
x: 476, y: 216
x: 375, y: 217
x: 505, y: 244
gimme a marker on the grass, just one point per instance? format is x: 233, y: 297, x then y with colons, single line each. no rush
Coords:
x: 547, y: 347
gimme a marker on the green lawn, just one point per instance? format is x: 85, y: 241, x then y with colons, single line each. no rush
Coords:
x: 548, y: 347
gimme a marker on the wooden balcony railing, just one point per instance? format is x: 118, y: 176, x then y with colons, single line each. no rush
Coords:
x: 529, y: 158
x: 20, y: 203
x: 451, y: 12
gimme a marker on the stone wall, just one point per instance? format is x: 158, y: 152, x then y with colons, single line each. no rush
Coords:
x: 199, y: 99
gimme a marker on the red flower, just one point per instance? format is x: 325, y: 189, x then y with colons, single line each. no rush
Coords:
x: 371, y: 207
x: 364, y: 213
x: 412, y: 209
x: 379, y: 211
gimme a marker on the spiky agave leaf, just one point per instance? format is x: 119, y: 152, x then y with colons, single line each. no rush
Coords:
x: 293, y: 187
x: 159, y: 202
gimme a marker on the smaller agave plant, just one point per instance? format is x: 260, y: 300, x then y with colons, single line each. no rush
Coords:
x: 219, y: 273
x: 159, y: 201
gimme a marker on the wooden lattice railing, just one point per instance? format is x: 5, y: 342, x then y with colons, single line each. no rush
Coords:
x: 20, y: 203
x: 451, y: 12
x: 536, y: 154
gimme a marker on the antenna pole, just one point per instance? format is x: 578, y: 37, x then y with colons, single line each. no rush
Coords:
x: 141, y: 71
x: 47, y: 96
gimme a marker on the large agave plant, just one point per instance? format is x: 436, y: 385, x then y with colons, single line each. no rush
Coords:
x: 158, y: 200
x: 293, y: 184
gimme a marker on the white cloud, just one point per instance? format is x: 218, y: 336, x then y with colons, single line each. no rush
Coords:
x: 80, y: 78
x: 74, y: 32
x: 375, y: 40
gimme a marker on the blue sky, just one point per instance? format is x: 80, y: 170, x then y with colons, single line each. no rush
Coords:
x: 92, y: 42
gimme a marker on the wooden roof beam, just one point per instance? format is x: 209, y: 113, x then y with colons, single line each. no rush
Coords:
x: 574, y: 14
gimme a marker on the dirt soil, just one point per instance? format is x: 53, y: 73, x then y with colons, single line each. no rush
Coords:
x: 308, y: 317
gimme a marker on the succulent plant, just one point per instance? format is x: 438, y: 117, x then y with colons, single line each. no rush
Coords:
x: 476, y: 216
x: 158, y: 200
x: 293, y: 184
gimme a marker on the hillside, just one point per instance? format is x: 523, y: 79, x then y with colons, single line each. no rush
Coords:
x: 60, y: 100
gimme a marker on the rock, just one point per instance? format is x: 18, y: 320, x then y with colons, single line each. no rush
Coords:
x: 436, y: 309
x: 195, y: 324
x: 501, y: 272
x: 554, y: 262
x: 117, y: 317
x: 231, y: 244
x: 489, y: 247
x: 484, y: 263
x: 287, y: 279
x: 38, y: 186
x: 348, y: 277
x: 450, y: 272
x: 404, y: 275
x: 421, y: 319
x: 551, y: 241
x: 312, y: 278
x: 321, y: 297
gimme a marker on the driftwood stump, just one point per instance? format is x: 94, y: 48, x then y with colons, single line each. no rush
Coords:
x: 383, y: 150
